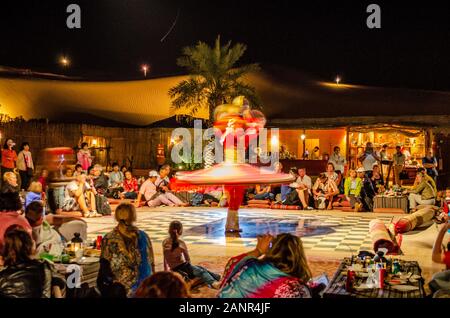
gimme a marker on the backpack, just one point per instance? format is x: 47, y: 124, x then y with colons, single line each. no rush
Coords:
x: 102, y: 205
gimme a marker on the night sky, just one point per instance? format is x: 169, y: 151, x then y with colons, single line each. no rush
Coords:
x: 322, y: 39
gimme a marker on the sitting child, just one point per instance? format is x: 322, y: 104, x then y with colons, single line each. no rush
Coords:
x: 176, y: 258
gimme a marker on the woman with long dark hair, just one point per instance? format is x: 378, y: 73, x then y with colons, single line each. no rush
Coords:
x: 9, y: 156
x: 25, y: 165
x: 127, y: 254
x: 277, y: 268
x: 176, y: 258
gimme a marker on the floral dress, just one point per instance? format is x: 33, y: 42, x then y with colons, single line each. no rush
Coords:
x: 125, y: 263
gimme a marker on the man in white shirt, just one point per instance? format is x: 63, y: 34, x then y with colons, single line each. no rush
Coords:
x: 304, y: 188
x: 77, y: 196
x: 151, y: 193
x: 337, y: 160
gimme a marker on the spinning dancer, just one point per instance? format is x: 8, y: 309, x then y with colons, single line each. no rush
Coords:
x: 236, y: 126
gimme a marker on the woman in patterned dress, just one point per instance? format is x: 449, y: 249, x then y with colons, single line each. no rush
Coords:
x: 277, y: 268
x: 127, y: 254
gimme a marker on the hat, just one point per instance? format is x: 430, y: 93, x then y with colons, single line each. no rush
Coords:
x: 360, y: 169
x: 153, y: 173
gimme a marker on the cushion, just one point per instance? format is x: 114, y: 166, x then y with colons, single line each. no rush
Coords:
x: 259, y: 206
x: 389, y: 210
x: 285, y: 207
x: 258, y: 201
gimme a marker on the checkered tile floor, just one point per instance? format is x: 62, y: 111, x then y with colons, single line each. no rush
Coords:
x: 344, y: 232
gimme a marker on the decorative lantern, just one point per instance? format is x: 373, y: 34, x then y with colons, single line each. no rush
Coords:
x: 76, y: 243
x: 160, y: 156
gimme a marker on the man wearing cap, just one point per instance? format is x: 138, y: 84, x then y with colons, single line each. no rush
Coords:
x: 151, y: 194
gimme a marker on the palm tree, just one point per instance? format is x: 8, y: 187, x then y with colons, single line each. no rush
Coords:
x: 214, y: 77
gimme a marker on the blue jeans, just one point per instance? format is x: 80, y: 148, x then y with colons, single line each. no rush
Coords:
x: 285, y: 190
x: 264, y: 196
x: 193, y: 271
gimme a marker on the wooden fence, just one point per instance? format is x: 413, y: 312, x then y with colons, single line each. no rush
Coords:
x: 113, y: 144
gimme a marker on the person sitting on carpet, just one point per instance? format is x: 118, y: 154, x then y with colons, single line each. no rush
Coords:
x: 127, y: 254
x: 324, y: 191
x: 176, y: 258
x: 163, y: 186
x: 130, y: 187
x: 262, y: 192
x: 285, y: 188
x: 153, y: 197
x: 304, y: 188
x: 352, y: 190
x: 368, y: 192
x: 331, y: 174
x: 276, y: 268
x: 78, y: 197
x: 163, y: 285
x: 441, y: 280
x: 212, y: 195
x: 115, y: 182
x: 423, y: 193
x: 377, y: 180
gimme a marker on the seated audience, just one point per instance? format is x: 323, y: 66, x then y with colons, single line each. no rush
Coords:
x: 10, y: 183
x: 331, y: 174
x: 46, y: 238
x: 304, y: 188
x: 130, y: 187
x: 377, y: 179
x: 276, y: 268
x: 441, y: 280
x: 78, y: 170
x: 35, y: 193
x: 352, y: 190
x: 285, y: 188
x: 43, y: 179
x: 79, y: 197
x: 429, y: 179
x: 421, y: 194
x: 163, y: 285
x: 124, y: 169
x: 69, y: 173
x: 176, y: 258
x: 100, y: 182
x: 155, y: 196
x: 127, y: 254
x: 115, y: 182
x: 9, y: 206
x: 163, y: 186
x: 23, y: 276
x: 262, y: 192
x: 367, y: 191
x: 116, y: 177
x: 212, y: 195
x: 324, y: 191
